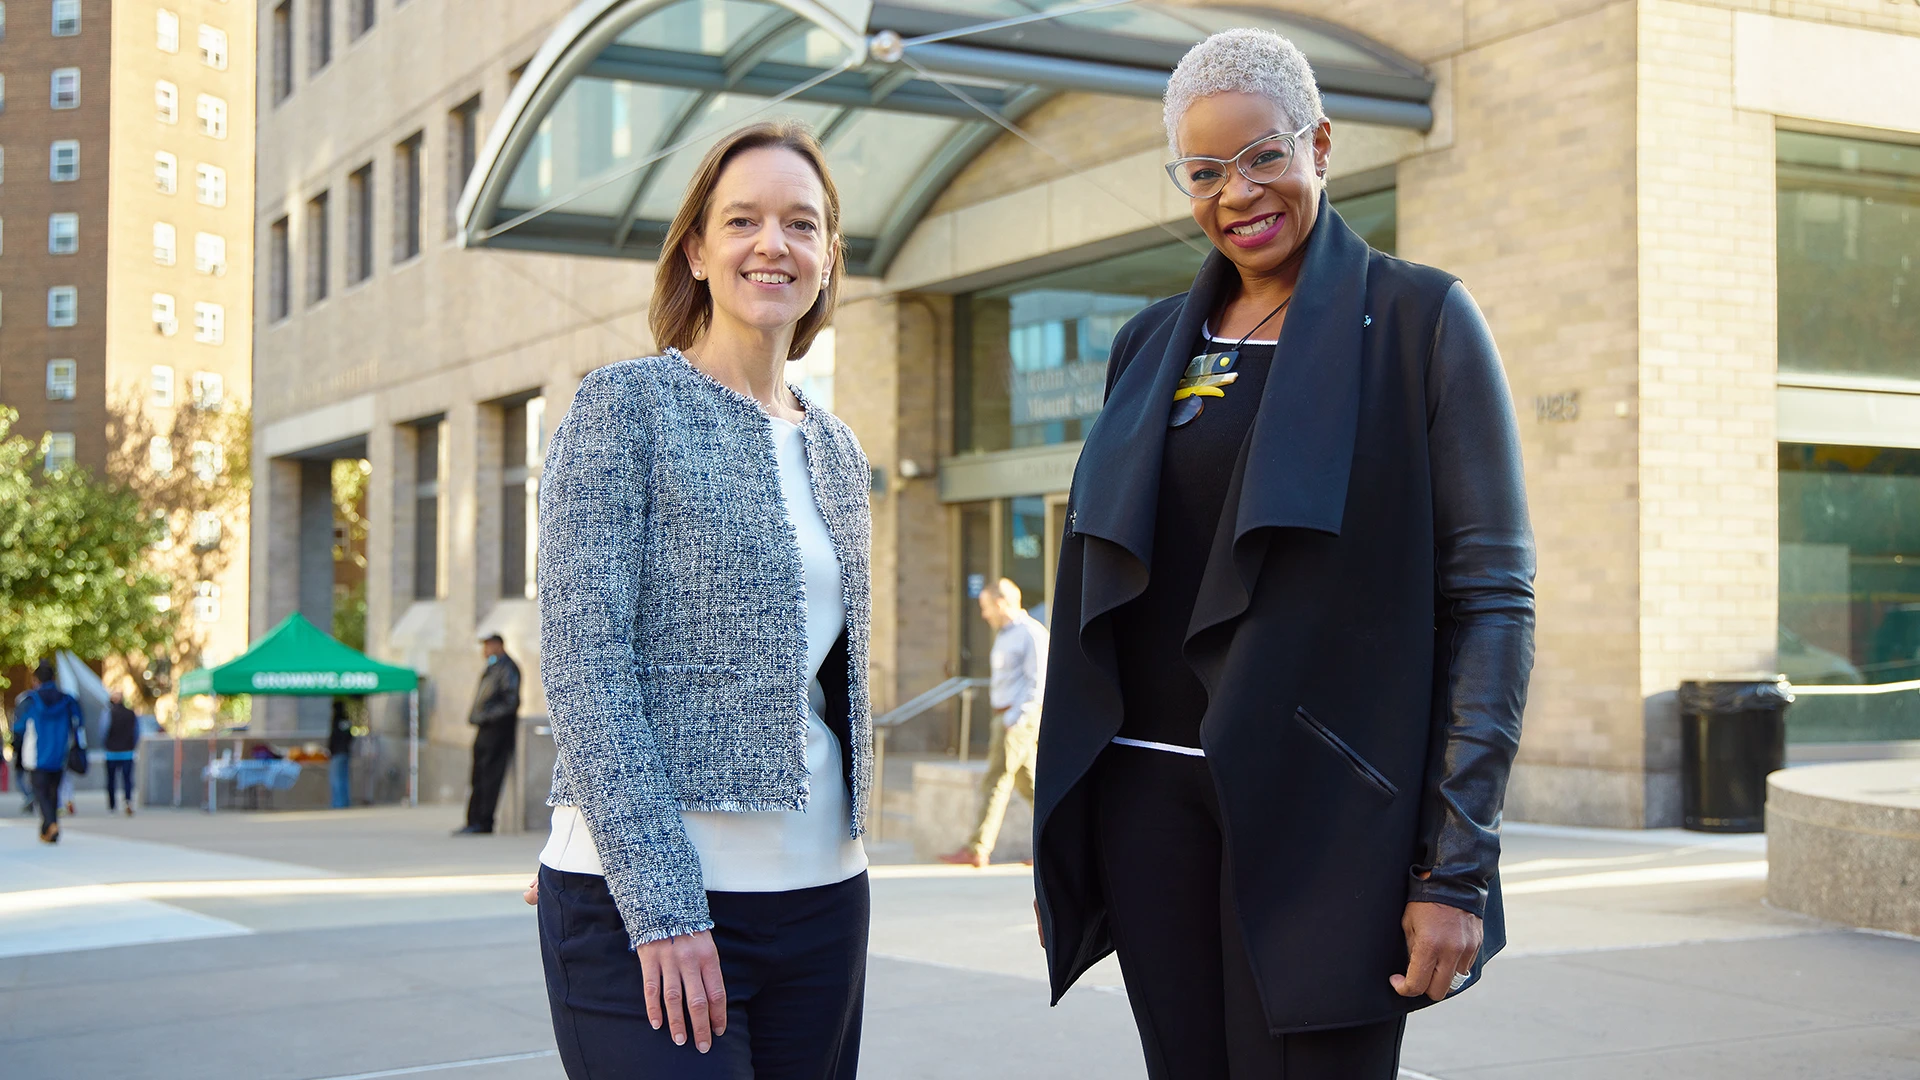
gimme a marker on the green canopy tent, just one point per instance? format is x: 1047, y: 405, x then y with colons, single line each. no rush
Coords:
x: 296, y: 659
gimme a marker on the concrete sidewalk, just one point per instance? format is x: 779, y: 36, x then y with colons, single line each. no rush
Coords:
x: 370, y: 943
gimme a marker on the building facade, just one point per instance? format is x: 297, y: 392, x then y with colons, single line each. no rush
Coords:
x: 1691, y: 225
x: 130, y: 133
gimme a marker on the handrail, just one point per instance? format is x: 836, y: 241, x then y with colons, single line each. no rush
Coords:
x: 939, y: 695
x: 959, y: 686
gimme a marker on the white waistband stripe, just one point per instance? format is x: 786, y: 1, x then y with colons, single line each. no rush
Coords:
x: 1168, y: 748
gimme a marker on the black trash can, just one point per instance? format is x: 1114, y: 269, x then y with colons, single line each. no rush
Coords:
x: 1733, y: 732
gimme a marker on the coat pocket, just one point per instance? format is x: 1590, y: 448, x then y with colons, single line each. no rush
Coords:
x: 1360, y: 765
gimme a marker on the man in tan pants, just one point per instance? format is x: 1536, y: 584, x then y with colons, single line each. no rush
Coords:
x: 1019, y: 677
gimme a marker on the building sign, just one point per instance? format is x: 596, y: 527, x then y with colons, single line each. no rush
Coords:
x: 1069, y: 392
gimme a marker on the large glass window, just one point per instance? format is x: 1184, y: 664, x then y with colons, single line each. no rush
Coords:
x: 1033, y: 355
x: 1850, y: 587
x: 1849, y: 237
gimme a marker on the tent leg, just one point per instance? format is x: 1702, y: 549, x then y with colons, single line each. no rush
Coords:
x: 413, y: 748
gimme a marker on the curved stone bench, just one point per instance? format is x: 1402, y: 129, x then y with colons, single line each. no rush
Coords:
x: 1843, y: 843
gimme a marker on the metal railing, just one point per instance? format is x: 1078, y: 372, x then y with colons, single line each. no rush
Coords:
x: 961, y: 687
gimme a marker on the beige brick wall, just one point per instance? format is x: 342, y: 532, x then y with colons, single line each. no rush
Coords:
x: 1708, y: 464
x: 1533, y: 207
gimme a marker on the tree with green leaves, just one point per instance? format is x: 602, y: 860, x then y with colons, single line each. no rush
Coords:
x: 74, y: 572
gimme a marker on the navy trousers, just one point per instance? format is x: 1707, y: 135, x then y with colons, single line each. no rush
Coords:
x: 795, y: 965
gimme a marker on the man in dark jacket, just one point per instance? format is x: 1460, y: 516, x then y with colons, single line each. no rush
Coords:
x: 340, y: 755
x: 49, y: 720
x: 122, y: 746
x: 496, y: 716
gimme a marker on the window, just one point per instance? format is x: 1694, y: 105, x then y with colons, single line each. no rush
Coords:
x: 426, y: 509
x: 213, y: 47
x: 279, y: 258
x: 160, y: 456
x: 166, y: 172
x: 63, y: 161
x: 362, y: 14
x: 207, y: 529
x: 3, y: 93
x: 63, y: 305
x: 360, y: 224
x: 209, y: 389
x: 318, y: 268
x: 1849, y: 241
x: 463, y: 147
x: 320, y: 35
x: 525, y: 444
x: 210, y: 184
x: 3, y: 22
x: 164, y: 251
x: 165, y: 319
x: 282, y: 51
x: 167, y: 27
x: 63, y: 234
x: 3, y: 234
x: 160, y: 386
x: 166, y: 100
x: 210, y: 253
x: 213, y: 116
x: 206, y: 461
x: 406, y: 197
x: 62, y: 377
x: 1848, y: 577
x: 66, y: 88
x: 59, y: 450
x: 206, y: 602
x: 3, y: 163
x: 66, y: 18
x: 209, y: 323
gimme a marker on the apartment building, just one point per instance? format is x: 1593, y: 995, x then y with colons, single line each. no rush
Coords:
x: 124, y: 296
x: 1691, y: 224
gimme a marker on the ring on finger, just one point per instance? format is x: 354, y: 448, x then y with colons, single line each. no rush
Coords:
x: 1459, y: 980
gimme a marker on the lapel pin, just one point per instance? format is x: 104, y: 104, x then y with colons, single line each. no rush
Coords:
x: 1368, y: 321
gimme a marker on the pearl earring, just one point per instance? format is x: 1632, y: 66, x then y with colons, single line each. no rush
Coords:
x: 699, y: 275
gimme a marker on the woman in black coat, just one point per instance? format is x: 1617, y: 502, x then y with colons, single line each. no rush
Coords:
x: 1293, y: 625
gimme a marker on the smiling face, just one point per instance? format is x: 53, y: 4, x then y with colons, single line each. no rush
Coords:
x: 762, y: 247
x: 1258, y: 226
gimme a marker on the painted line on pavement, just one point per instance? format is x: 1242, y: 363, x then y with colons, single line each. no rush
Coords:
x: 908, y: 871
x: 413, y: 1070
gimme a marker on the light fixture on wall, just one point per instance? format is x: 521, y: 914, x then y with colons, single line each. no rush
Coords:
x: 910, y: 469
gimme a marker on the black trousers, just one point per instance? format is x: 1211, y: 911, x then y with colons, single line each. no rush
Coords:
x: 795, y: 965
x: 1171, y: 910
x: 120, y: 772
x: 46, y: 795
x: 492, y: 753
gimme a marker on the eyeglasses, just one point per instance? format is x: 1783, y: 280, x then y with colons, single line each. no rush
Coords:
x: 1263, y: 161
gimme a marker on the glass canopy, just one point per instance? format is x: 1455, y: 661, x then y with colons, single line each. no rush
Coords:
x: 600, y: 136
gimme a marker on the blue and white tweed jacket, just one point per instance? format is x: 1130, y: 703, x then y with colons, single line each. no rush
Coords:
x: 673, y: 622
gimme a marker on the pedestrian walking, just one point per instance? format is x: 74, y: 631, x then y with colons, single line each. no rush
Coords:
x: 1293, y: 625
x: 704, y: 619
x: 16, y: 737
x: 340, y: 754
x: 120, y: 749
x: 53, y: 732
x: 495, y: 717
x: 1019, y: 665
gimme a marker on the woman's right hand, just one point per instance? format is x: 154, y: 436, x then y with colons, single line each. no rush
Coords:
x: 684, y: 988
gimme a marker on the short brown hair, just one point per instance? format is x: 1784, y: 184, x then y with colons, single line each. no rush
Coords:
x: 682, y: 306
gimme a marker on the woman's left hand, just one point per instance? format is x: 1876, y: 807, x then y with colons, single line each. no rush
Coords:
x: 1441, y: 940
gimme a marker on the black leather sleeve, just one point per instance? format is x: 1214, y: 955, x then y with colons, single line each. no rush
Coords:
x: 1484, y: 607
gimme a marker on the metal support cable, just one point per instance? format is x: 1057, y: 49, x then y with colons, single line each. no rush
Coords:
x: 1016, y: 20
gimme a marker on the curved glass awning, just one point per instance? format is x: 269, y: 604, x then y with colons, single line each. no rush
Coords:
x: 600, y: 136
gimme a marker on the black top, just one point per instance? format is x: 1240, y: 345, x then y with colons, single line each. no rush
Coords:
x: 1163, y: 700
x: 123, y: 730
x: 340, y: 732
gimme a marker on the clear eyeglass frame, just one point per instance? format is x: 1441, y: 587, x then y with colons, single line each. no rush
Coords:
x: 1287, y: 143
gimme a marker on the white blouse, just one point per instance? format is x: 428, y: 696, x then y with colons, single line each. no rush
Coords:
x: 778, y: 850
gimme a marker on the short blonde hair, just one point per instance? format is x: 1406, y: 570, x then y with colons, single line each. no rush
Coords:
x: 1249, y: 62
x: 682, y: 304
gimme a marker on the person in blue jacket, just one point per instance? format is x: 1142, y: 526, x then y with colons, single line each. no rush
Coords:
x: 49, y: 721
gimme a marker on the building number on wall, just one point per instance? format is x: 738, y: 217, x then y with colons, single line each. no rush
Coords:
x: 1558, y: 408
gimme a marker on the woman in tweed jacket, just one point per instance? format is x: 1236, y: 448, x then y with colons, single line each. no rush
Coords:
x: 704, y: 536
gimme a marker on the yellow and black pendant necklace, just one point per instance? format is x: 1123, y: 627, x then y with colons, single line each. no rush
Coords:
x: 1210, y: 373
